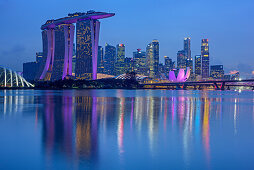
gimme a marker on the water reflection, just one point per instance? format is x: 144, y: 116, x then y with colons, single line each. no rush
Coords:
x: 75, y: 125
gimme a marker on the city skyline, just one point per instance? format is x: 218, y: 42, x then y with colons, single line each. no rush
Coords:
x: 228, y: 41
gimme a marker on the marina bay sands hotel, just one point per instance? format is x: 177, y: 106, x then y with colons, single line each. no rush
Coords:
x: 57, y: 39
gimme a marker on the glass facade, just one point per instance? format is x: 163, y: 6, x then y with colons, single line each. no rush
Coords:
x: 30, y: 70
x: 205, y: 58
x: 198, y: 65
x: 217, y: 72
x: 119, y: 65
x: 110, y: 58
x: 152, y: 59
x: 181, y: 59
x: 187, y: 47
x: 100, y: 64
x: 58, y: 64
x: 139, y: 58
x: 84, y: 67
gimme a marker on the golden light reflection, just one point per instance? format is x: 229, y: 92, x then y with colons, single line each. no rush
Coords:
x: 206, y: 128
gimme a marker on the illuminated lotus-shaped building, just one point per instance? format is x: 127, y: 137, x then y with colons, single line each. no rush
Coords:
x: 11, y: 79
x: 182, y: 76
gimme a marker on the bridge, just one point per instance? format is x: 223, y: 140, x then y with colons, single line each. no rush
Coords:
x: 216, y: 84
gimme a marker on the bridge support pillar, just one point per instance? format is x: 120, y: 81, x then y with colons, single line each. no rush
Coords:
x: 216, y: 86
x: 222, y: 86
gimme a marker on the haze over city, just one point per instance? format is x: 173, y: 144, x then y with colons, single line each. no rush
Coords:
x: 136, y: 23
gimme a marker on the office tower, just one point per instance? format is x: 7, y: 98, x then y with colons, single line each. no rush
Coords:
x: 235, y: 76
x: 227, y: 77
x: 63, y: 52
x: 129, y: 64
x: 205, y: 58
x: 198, y: 65
x: 181, y: 59
x: 120, y: 55
x: 100, y: 61
x: 169, y: 65
x: 217, y: 72
x: 189, y: 63
x: 87, y: 49
x: 74, y: 60
x: 56, y: 63
x: 109, y: 59
x: 139, y: 59
x: 39, y: 56
x: 30, y: 70
x: 55, y: 32
x: 152, y: 59
x: 187, y: 48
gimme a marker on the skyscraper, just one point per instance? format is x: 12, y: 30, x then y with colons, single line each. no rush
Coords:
x: 205, y: 58
x: 198, y: 65
x: 74, y: 60
x: 189, y: 63
x: 181, y: 59
x: 39, y: 56
x: 168, y: 65
x: 120, y: 55
x: 187, y: 47
x: 62, y: 56
x: 139, y: 58
x: 128, y: 62
x: 109, y: 59
x: 152, y: 58
x: 56, y: 63
x: 30, y: 70
x: 100, y: 64
x: 87, y: 33
x: 217, y: 72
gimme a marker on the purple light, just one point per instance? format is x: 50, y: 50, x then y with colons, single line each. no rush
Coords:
x: 68, y: 32
x: 50, y: 55
x: 95, y: 28
x: 70, y: 20
x: 181, y: 77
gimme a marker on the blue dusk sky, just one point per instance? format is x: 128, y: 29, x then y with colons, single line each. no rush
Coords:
x: 228, y: 25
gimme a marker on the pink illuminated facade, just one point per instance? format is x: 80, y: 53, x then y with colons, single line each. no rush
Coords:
x: 58, y: 38
x: 181, y: 76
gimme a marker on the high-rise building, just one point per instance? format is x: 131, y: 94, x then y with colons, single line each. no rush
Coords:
x: 73, y: 60
x: 128, y: 62
x: 181, y: 59
x: 139, y: 58
x: 152, y: 59
x: 235, y: 76
x: 217, y: 72
x: 109, y: 59
x: 56, y: 63
x: 198, y: 65
x: 187, y: 48
x: 169, y: 65
x: 39, y: 56
x: 189, y: 63
x: 100, y: 61
x: 30, y: 70
x: 87, y: 49
x: 120, y: 56
x: 62, y: 65
x: 205, y: 58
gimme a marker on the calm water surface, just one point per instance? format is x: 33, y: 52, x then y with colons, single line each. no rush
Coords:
x: 126, y: 129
